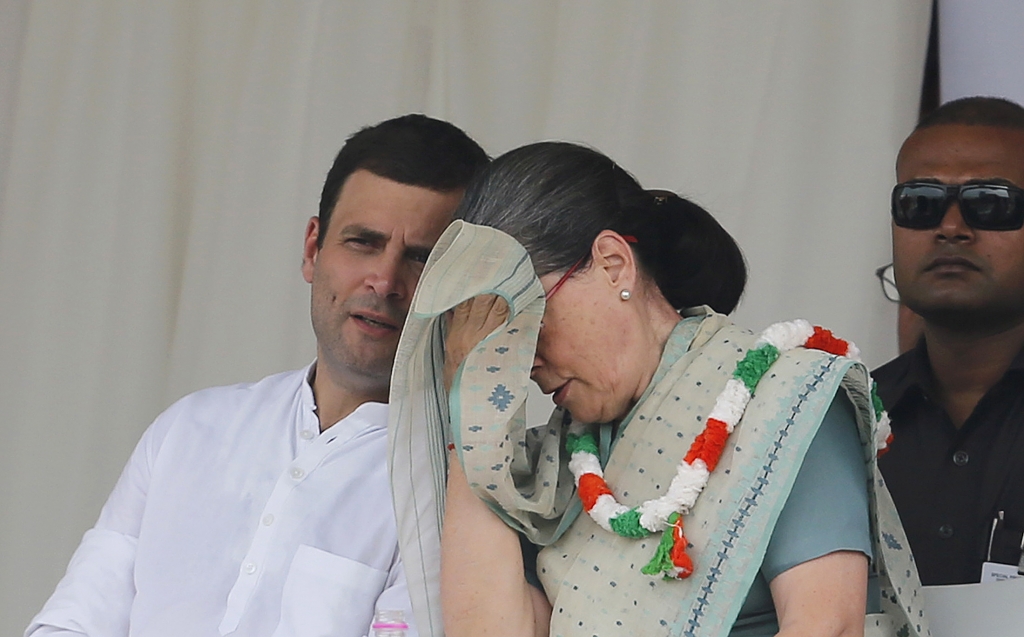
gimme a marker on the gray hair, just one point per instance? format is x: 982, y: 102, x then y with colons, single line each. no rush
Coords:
x: 556, y: 197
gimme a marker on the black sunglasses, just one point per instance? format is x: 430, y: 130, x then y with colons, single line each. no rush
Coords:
x: 984, y: 206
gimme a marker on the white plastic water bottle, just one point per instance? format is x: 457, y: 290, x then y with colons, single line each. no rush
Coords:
x: 389, y: 623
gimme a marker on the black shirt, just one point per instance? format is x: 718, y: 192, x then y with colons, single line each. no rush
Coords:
x: 949, y: 485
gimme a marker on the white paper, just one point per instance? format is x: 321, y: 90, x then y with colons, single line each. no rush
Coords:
x: 976, y: 610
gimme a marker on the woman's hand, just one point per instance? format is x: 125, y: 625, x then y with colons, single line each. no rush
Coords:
x: 468, y: 324
x: 484, y: 592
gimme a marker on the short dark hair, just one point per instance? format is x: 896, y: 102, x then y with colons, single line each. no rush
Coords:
x: 414, y: 149
x: 556, y: 197
x: 976, y: 111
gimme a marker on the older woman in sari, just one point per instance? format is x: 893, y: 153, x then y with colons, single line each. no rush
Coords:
x: 774, y: 485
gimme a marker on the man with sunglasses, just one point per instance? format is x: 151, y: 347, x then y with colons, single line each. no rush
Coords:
x: 956, y: 466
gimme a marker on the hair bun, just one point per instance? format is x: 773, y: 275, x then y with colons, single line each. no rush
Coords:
x: 659, y: 197
x: 692, y: 258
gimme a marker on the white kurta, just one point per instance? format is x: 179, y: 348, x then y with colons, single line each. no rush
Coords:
x: 236, y: 515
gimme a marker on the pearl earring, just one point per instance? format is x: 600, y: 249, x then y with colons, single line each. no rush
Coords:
x: 624, y: 295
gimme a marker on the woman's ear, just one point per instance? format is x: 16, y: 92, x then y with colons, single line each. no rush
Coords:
x: 614, y: 259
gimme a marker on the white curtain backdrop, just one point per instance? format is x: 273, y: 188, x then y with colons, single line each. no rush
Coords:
x: 981, y: 49
x: 158, y: 162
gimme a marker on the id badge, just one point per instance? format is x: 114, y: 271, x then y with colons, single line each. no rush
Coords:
x: 995, y: 572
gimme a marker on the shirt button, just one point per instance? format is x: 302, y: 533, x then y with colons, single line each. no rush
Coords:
x: 268, y: 519
x: 945, y: 531
x: 249, y: 568
x: 306, y: 434
x: 960, y: 458
x: 297, y: 473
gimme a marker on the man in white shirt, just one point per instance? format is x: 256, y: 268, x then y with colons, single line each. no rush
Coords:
x: 264, y: 508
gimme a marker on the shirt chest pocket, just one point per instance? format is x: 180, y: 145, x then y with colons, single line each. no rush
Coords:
x: 326, y: 594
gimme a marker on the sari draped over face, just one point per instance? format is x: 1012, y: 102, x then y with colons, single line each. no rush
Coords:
x: 591, y: 576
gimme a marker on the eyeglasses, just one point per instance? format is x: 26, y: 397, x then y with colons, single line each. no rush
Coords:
x: 565, y: 277
x: 888, y: 280
x: 984, y: 206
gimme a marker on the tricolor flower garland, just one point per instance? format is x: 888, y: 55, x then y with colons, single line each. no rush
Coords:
x: 666, y: 513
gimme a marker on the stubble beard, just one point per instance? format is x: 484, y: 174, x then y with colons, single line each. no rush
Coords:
x: 350, y: 355
x: 969, y: 316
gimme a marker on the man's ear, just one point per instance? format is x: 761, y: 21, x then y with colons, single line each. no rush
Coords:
x: 310, y: 249
x: 612, y: 254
